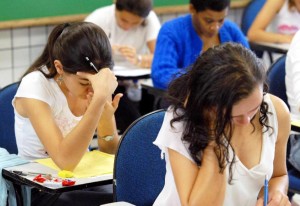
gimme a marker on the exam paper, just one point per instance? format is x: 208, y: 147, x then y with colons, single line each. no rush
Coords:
x: 94, y: 163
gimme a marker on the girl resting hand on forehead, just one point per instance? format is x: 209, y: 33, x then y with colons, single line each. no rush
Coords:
x: 66, y: 95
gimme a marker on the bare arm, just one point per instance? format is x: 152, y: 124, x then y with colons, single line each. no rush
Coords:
x: 278, y: 184
x: 67, y: 151
x: 195, y: 184
x: 257, y: 31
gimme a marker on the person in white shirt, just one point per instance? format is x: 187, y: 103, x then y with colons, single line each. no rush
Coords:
x: 292, y: 82
x: 63, y: 98
x: 223, y: 133
x: 132, y: 28
x: 277, y: 22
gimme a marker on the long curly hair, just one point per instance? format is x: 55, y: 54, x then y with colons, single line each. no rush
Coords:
x: 206, y: 93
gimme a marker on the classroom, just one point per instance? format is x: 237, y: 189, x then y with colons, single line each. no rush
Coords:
x: 98, y: 100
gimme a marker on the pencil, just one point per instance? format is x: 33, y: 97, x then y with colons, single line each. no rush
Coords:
x: 266, y: 191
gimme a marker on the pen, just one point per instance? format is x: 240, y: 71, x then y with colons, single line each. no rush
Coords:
x: 28, y: 173
x: 266, y: 191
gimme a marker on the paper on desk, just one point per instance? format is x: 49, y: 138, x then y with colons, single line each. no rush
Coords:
x: 296, y: 123
x: 94, y: 163
x: 123, y: 71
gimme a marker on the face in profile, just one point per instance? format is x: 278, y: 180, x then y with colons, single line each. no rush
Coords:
x: 127, y: 20
x: 208, y: 22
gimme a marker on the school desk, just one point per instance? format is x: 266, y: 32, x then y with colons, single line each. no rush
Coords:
x: 295, y: 126
x: 134, y: 73
x: 34, y: 167
x: 159, y: 94
x: 270, y: 47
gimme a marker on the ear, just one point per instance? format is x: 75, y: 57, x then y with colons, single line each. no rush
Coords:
x: 58, y: 66
x: 192, y: 9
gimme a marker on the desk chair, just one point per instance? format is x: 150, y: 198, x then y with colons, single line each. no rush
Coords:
x: 7, y: 123
x: 276, y: 80
x: 139, y: 171
x: 248, y: 16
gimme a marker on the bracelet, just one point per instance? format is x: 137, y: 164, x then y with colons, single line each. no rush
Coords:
x: 139, y: 59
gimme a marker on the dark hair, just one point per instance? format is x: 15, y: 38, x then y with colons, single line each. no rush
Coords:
x: 220, y: 78
x: 140, y: 8
x: 71, y: 43
x: 215, y: 5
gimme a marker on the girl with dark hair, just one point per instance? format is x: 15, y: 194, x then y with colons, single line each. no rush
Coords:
x: 223, y: 133
x: 132, y: 28
x: 66, y: 95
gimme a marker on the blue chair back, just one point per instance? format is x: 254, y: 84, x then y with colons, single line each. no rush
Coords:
x: 249, y: 14
x: 7, y: 121
x: 276, y: 79
x: 139, y: 171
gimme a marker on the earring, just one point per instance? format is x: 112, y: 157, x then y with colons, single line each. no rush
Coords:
x: 59, y: 79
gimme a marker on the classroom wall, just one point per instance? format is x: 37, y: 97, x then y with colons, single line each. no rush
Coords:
x: 19, y: 47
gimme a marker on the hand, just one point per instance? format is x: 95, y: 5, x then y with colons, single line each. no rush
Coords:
x: 129, y: 53
x: 104, y: 83
x: 276, y: 198
x: 110, y: 107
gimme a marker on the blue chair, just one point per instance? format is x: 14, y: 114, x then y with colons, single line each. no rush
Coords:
x: 276, y: 80
x: 7, y: 123
x: 249, y: 14
x: 139, y: 171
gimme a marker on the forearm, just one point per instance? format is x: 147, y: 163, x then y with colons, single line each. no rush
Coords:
x: 107, y: 127
x: 75, y: 144
x: 263, y: 36
x: 210, y: 184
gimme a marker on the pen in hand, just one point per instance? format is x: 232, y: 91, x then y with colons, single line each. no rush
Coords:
x: 266, y: 191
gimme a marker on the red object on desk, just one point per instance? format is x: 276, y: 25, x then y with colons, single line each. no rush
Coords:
x: 39, y: 178
x: 67, y: 182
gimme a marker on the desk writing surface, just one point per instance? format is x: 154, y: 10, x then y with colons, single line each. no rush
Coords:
x: 39, y: 168
x: 94, y: 163
x: 272, y: 47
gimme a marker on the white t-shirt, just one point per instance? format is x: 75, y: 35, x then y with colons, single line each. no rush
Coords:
x: 287, y: 21
x: 246, y: 182
x: 137, y: 37
x: 292, y: 77
x: 36, y: 86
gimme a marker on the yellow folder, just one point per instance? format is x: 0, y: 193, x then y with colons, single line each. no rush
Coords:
x: 94, y: 163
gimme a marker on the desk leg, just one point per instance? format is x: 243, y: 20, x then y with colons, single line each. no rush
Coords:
x: 19, y: 196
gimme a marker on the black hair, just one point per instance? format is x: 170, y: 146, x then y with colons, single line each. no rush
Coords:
x: 71, y: 43
x: 215, y: 5
x: 140, y: 8
x: 220, y: 78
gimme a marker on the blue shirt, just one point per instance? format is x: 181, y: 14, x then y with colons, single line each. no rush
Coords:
x: 178, y: 46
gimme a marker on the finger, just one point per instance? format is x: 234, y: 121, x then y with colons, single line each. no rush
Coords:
x: 260, y: 202
x: 116, y: 100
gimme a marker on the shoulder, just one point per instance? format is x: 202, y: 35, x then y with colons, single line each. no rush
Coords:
x: 98, y: 14
x: 35, y: 78
x: 275, y: 5
x: 282, y: 112
x: 175, y: 26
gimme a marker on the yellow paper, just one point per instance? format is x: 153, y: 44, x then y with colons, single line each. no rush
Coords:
x: 296, y: 123
x: 94, y: 163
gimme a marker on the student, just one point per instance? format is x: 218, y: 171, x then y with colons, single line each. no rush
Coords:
x: 132, y: 28
x: 292, y: 78
x: 66, y: 95
x: 277, y: 22
x: 223, y: 133
x: 182, y: 40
